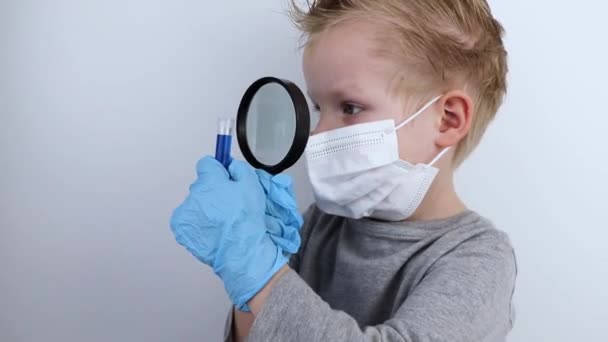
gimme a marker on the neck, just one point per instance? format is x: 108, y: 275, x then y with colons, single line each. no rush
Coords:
x: 441, y: 201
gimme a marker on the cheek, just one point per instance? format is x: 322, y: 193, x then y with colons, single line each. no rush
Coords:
x: 416, y: 142
x: 333, y: 119
x: 326, y: 122
x: 385, y: 114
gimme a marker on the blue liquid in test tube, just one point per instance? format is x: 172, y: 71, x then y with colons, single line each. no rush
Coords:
x: 224, y: 141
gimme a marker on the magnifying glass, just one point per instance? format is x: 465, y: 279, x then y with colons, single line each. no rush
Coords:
x: 273, y: 124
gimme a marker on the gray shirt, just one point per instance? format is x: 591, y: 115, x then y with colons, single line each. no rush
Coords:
x: 365, y: 280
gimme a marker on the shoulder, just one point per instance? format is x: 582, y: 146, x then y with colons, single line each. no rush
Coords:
x: 487, y: 255
x: 480, y: 250
x: 478, y: 233
x: 473, y: 265
x: 475, y: 248
x: 486, y: 236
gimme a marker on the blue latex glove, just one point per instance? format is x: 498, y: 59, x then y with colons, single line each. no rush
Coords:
x: 283, y: 218
x: 222, y: 223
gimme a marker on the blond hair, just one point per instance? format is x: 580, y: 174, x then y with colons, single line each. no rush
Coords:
x: 449, y: 42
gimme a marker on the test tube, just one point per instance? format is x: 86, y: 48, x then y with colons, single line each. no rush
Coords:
x: 224, y: 141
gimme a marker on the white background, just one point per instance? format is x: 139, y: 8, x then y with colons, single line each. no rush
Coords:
x: 105, y: 106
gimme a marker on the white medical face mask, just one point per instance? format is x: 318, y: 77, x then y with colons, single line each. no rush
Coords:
x: 355, y: 171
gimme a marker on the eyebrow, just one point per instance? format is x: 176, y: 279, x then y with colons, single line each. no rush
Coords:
x: 339, y: 93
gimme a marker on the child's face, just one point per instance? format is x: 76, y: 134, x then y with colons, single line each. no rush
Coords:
x: 349, y: 84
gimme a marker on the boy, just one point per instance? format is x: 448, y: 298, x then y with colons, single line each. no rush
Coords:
x: 405, y: 90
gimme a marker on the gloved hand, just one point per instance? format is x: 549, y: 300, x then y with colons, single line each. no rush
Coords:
x: 283, y: 218
x: 222, y: 223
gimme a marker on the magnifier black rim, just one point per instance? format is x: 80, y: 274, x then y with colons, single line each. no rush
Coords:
x: 301, y: 135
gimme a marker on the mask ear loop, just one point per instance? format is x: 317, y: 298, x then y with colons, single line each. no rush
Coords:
x: 415, y: 115
x: 441, y: 154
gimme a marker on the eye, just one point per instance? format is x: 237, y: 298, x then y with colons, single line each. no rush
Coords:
x: 351, y: 108
x: 316, y: 108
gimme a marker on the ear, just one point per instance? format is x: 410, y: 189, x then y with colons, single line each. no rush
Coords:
x: 456, y: 118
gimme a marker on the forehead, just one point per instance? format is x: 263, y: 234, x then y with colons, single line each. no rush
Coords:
x: 344, y: 57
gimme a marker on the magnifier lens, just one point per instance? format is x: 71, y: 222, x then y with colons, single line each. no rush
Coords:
x: 273, y: 124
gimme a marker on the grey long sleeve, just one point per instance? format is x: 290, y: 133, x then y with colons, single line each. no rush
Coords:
x: 363, y: 280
